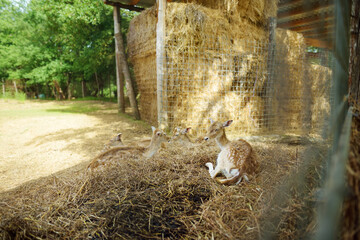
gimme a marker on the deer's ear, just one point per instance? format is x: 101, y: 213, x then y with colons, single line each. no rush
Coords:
x: 118, y: 137
x: 211, y: 121
x: 227, y: 123
x: 153, y: 128
x: 187, y: 130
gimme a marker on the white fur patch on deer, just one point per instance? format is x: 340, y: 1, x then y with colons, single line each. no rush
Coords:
x: 236, y: 159
x: 158, y: 137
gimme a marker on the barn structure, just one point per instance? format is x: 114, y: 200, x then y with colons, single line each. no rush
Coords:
x: 270, y: 66
x: 246, y: 61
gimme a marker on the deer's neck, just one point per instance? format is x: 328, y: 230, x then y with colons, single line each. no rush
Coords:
x: 222, y: 140
x: 151, y: 149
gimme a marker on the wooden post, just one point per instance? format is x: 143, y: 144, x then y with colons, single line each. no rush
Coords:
x: 160, y: 65
x: 125, y: 67
x: 270, y: 72
x: 119, y: 74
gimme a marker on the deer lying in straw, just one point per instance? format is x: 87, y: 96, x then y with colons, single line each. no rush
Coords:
x: 158, y: 137
x: 236, y: 158
x: 114, y: 142
x: 181, y: 135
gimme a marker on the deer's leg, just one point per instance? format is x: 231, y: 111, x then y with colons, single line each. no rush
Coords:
x: 215, y: 172
x: 210, y: 166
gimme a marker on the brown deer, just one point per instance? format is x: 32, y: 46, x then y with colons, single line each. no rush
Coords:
x: 181, y: 135
x: 157, y: 139
x: 236, y: 158
x: 114, y: 142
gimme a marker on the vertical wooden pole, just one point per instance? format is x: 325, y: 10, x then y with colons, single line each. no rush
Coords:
x: 268, y: 112
x: 119, y: 74
x: 160, y: 65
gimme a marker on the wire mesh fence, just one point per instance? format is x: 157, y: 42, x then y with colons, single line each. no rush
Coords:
x: 284, y: 93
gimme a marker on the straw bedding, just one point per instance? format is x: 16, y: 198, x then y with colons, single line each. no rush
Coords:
x: 169, y: 196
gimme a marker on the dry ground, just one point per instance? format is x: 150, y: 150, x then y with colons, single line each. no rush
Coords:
x: 40, y: 138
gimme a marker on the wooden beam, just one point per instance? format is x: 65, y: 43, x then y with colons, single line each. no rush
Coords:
x: 313, y: 27
x: 318, y: 43
x: 160, y: 65
x: 119, y: 73
x: 319, y: 35
x: 320, y: 31
x: 120, y: 5
x: 305, y: 8
x: 306, y: 20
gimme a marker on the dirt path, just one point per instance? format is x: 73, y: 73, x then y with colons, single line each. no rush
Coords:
x: 40, y: 138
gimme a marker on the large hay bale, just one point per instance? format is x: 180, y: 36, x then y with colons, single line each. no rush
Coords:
x: 256, y: 11
x: 211, y: 57
x: 291, y: 106
x: 320, y: 77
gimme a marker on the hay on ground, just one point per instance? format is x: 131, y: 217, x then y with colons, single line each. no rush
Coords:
x: 169, y: 196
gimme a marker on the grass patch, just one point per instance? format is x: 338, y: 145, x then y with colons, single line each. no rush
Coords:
x: 90, y: 98
x: 76, y: 108
x: 17, y: 96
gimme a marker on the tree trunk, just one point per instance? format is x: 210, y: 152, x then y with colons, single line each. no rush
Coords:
x: 109, y: 85
x: 83, y: 87
x: 37, y: 91
x: 69, y: 92
x: 15, y: 87
x: 3, y: 86
x: 119, y: 73
x: 56, y: 95
x: 125, y: 67
x: 59, y: 90
x: 97, y: 83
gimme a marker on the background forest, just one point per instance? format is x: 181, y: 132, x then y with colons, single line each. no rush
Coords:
x: 58, y: 48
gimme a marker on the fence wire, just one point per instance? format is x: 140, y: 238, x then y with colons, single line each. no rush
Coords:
x: 284, y: 93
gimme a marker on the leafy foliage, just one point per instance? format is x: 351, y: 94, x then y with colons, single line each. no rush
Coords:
x: 67, y: 41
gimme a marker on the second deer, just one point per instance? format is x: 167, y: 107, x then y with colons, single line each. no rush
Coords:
x: 157, y: 139
x: 236, y: 159
x: 181, y: 135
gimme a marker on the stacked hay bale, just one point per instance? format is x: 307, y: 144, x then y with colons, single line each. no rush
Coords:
x: 142, y: 53
x: 291, y: 101
x: 320, y: 77
x: 216, y: 62
x: 301, y: 101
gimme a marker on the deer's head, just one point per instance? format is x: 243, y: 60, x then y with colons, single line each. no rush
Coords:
x: 179, y: 134
x: 216, y: 129
x: 158, y: 136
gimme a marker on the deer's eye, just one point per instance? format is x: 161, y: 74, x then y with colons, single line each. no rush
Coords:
x: 216, y: 130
